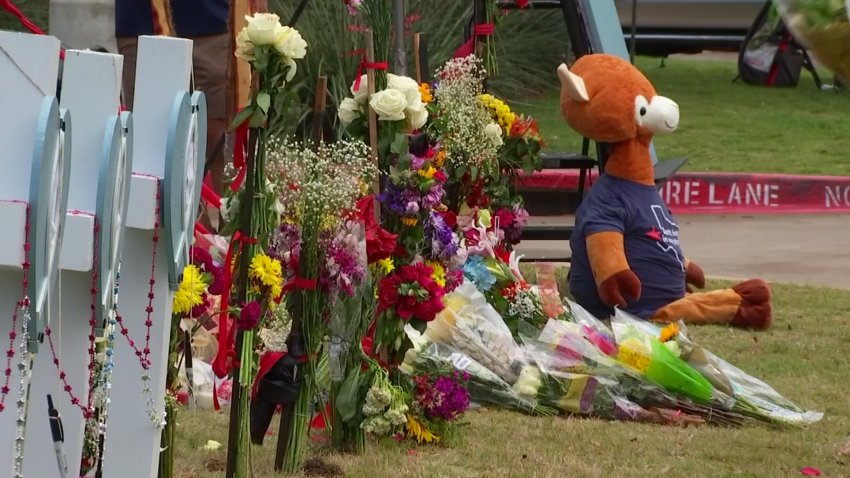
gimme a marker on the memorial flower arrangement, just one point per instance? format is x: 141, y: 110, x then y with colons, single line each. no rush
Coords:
x: 319, y: 242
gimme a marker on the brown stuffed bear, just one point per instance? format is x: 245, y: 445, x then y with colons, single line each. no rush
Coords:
x: 625, y: 247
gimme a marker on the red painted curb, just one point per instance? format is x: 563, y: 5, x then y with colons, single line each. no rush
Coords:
x: 729, y: 193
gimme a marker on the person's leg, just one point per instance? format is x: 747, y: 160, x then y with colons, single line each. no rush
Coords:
x: 211, y: 57
x: 128, y: 47
x: 745, y: 305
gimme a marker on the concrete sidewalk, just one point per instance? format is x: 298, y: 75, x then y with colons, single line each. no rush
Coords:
x: 781, y: 248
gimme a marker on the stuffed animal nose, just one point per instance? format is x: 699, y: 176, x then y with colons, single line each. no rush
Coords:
x: 662, y: 115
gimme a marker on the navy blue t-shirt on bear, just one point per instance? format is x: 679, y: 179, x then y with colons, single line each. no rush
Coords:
x: 651, y: 239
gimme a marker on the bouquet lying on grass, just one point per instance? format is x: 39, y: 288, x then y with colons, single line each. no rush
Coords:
x: 824, y: 27
x: 631, y: 371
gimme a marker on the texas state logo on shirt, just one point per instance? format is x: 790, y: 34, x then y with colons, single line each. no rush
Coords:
x: 665, y: 233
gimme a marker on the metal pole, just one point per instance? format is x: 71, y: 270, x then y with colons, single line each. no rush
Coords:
x: 399, y: 47
x: 633, y: 39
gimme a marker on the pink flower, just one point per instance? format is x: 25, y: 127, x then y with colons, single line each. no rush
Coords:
x: 809, y: 471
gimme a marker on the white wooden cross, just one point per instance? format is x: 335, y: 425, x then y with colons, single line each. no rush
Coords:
x: 35, y: 135
x: 161, y: 114
x: 90, y: 90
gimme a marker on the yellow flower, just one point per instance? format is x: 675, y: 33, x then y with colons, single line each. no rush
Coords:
x: 669, y: 332
x: 386, y: 265
x: 440, y: 158
x: 427, y: 173
x: 191, y: 291
x: 267, y: 272
x: 439, y: 274
x: 409, y: 221
x: 419, y: 431
x: 425, y: 93
x: 631, y: 354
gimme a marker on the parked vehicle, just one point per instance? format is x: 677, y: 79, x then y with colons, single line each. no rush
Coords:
x: 665, y: 27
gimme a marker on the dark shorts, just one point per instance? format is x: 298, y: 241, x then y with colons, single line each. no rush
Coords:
x: 210, y: 56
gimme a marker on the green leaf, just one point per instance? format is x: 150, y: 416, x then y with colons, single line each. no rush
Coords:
x: 258, y: 119
x: 241, y: 117
x: 264, y: 101
x: 399, y: 144
x: 347, y: 400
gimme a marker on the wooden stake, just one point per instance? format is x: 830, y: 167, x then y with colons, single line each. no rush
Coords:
x: 417, y: 56
x: 373, y: 117
x: 319, y: 109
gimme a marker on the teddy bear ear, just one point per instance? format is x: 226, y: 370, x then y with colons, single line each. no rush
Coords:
x: 572, y: 84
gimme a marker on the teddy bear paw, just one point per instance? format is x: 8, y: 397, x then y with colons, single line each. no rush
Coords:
x: 755, y: 311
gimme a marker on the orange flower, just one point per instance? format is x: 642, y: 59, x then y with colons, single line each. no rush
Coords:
x: 425, y: 92
x: 409, y: 221
x: 669, y: 332
x: 440, y: 159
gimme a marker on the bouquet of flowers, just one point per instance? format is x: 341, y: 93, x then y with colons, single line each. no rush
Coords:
x: 469, y: 136
x: 485, y: 387
x: 319, y: 243
x: 752, y: 397
x: 824, y: 27
x: 439, y: 402
x: 646, y: 354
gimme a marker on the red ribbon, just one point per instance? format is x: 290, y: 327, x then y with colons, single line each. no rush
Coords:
x: 210, y: 197
x: 227, y: 333
x: 26, y: 22
x: 240, y: 147
x: 296, y: 283
x: 479, y: 30
x: 366, y: 65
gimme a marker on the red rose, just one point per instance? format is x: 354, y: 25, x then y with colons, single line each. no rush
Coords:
x: 440, y: 176
x: 450, y: 218
x: 388, y: 292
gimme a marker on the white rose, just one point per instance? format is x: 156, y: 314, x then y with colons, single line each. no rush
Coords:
x: 349, y: 110
x: 361, y: 93
x: 389, y: 105
x: 406, y: 85
x: 244, y: 48
x: 262, y: 28
x: 494, y: 134
x: 417, y: 114
x: 288, y: 41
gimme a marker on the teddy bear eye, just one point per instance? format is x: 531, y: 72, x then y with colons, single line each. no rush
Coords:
x: 643, y: 111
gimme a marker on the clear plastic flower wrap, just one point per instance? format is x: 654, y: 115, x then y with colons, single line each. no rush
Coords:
x: 470, y: 325
x: 484, y: 385
x: 754, y: 397
x: 823, y: 26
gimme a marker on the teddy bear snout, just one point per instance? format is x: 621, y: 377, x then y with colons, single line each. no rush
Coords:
x: 662, y: 115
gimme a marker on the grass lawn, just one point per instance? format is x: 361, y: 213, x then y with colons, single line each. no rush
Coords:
x: 803, y: 356
x: 35, y: 10
x: 729, y: 126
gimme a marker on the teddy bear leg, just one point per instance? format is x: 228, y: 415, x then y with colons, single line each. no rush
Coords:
x: 746, y: 305
x: 713, y: 307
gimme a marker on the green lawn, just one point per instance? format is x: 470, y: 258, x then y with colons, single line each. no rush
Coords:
x: 733, y: 127
x: 35, y: 10
x: 803, y: 356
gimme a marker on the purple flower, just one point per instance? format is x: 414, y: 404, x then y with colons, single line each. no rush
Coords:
x: 416, y: 162
x: 249, y: 317
x: 393, y: 199
x: 450, y: 399
x: 444, y: 242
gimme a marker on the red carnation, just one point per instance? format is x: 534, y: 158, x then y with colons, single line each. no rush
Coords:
x: 410, y: 306
x: 506, y: 218
x: 440, y: 176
